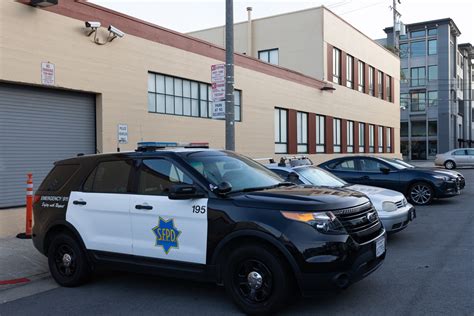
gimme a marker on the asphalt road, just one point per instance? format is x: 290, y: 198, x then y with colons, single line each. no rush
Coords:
x: 429, y: 269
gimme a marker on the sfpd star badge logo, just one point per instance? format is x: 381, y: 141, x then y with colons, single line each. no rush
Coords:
x: 166, y: 234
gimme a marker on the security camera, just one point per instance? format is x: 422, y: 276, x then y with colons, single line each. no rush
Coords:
x: 115, y: 31
x: 93, y: 25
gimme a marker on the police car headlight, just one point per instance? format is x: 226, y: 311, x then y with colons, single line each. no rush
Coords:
x: 389, y: 206
x: 324, y: 222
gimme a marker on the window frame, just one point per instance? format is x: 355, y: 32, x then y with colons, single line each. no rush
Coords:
x: 388, y: 87
x: 350, y: 136
x: 415, y: 79
x: 371, y: 80
x: 435, y: 48
x: 388, y: 139
x: 320, y: 146
x: 280, y: 142
x: 336, y: 135
x: 371, y: 138
x: 417, y: 51
x: 428, y: 72
x: 300, y: 133
x: 195, y: 99
x: 418, y: 103
x: 349, y: 71
x: 380, y: 84
x: 336, y: 65
x: 268, y: 52
x: 361, y: 137
x: 361, y: 76
x: 380, y: 139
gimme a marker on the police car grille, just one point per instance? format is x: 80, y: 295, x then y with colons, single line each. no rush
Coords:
x: 357, y: 224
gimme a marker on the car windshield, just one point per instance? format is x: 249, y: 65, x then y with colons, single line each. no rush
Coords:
x: 396, y: 163
x: 320, y: 177
x: 242, y: 173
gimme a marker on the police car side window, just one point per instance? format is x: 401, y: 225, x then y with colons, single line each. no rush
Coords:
x: 157, y: 176
x: 347, y: 165
x: 109, y: 177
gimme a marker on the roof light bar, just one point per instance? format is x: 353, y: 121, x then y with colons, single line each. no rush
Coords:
x: 152, y: 146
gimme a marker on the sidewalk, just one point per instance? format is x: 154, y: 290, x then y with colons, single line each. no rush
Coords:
x: 19, y: 260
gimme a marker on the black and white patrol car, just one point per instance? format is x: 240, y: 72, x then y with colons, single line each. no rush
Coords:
x: 205, y: 214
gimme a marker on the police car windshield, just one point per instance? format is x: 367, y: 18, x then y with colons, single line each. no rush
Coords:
x: 242, y: 173
x: 320, y: 177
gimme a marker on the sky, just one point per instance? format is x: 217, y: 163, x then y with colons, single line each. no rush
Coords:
x: 369, y: 16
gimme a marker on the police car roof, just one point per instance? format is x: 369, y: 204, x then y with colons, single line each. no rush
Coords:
x: 134, y: 154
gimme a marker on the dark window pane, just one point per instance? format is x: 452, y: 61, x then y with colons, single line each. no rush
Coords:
x: 404, y: 129
x: 157, y: 176
x: 418, y: 128
x: 432, y: 128
x: 109, y: 177
x: 432, y: 32
x: 417, y: 34
x: 348, y: 165
x: 370, y: 165
x: 432, y: 47
x: 58, y: 177
x: 417, y: 49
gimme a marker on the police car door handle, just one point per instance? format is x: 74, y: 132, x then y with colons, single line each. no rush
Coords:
x: 79, y: 202
x: 143, y: 207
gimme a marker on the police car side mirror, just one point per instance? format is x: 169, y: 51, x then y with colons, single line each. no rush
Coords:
x: 223, y: 188
x: 184, y: 192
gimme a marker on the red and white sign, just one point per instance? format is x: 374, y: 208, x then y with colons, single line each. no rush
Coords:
x: 48, y: 74
x: 218, y: 82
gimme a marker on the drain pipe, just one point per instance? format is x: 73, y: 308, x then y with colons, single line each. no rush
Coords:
x: 249, y: 32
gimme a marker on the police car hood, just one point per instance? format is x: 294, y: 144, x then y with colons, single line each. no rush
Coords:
x: 300, y: 198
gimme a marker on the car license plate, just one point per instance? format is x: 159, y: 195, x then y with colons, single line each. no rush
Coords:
x: 380, y: 246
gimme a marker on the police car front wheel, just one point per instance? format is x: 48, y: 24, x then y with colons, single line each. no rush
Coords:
x: 67, y: 261
x: 256, y: 279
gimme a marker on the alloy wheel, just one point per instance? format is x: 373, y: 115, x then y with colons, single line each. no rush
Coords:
x: 421, y: 194
x: 253, y: 281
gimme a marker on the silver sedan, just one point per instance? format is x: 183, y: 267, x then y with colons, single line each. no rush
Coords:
x: 456, y: 158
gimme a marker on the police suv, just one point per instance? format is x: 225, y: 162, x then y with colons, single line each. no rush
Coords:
x: 210, y: 215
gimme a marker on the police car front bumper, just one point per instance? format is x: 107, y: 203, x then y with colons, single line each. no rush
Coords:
x: 351, y: 267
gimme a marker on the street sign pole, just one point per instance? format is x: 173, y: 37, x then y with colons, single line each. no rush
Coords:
x: 229, y: 86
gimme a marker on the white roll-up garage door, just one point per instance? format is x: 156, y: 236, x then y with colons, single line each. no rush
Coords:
x: 39, y: 126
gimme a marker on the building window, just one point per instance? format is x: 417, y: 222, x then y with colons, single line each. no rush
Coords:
x: 388, y: 86
x: 388, y: 139
x: 177, y: 96
x: 336, y: 65
x: 281, y: 131
x: 418, y: 128
x: 320, y: 134
x: 361, y: 73
x: 417, y: 76
x: 371, y: 80
x: 432, y: 47
x: 404, y: 100
x: 336, y: 127
x: 404, y: 75
x: 432, y: 98
x: 380, y: 85
x: 269, y: 56
x: 432, y: 128
x: 371, y: 138
x: 404, y: 129
x: 432, y: 147
x: 432, y: 32
x: 361, y: 137
x: 380, y: 139
x: 433, y: 72
x: 417, y: 101
x: 403, y: 50
x: 349, y: 71
x: 416, y: 34
x: 417, y: 49
x: 350, y: 136
x: 302, y: 132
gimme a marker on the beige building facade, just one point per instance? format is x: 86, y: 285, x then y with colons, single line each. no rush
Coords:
x: 156, y: 82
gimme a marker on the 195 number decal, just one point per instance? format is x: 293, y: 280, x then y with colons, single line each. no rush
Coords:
x: 199, y: 209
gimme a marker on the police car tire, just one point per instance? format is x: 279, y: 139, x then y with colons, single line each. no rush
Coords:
x: 79, y: 268
x: 281, y: 282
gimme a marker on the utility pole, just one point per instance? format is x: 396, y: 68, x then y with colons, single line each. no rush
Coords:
x: 396, y: 14
x: 229, y: 73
